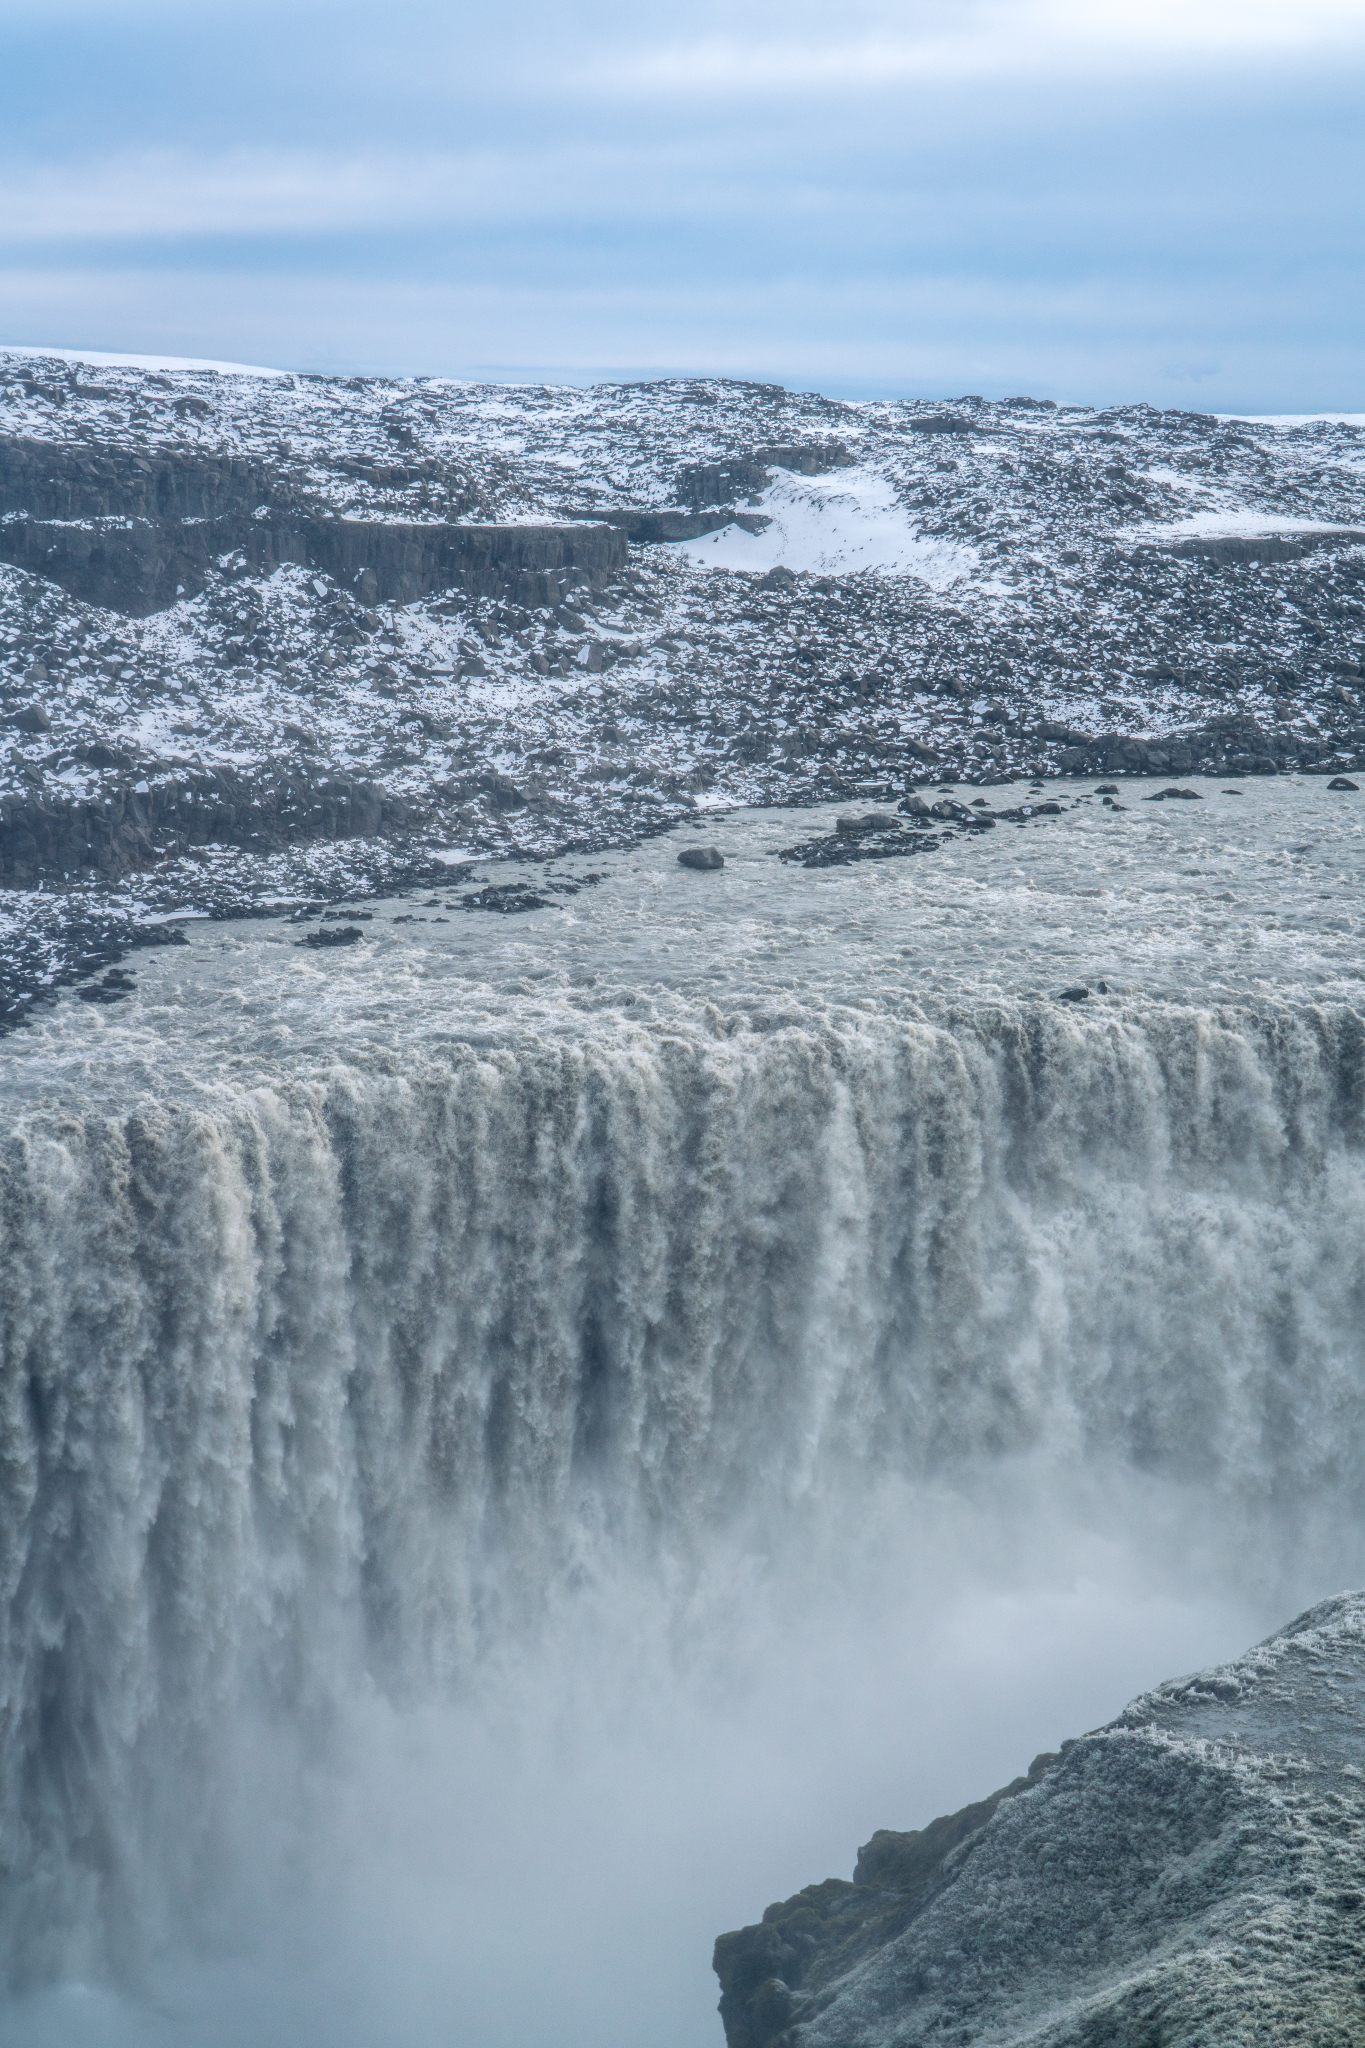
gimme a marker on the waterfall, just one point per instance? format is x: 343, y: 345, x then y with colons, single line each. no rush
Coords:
x: 335, y: 1381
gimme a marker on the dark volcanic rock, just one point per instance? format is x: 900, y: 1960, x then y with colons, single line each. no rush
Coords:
x: 509, y: 898
x: 940, y: 423
x: 648, y: 526
x: 713, y: 483
x: 135, y: 530
x: 125, y: 829
x: 332, y: 935
x: 1231, y: 745
x: 706, y: 858
x: 873, y: 821
x: 1243, y: 549
x: 872, y: 842
x: 114, y: 987
x: 1194, y: 1873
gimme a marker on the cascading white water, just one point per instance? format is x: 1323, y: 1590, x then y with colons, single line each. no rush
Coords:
x: 525, y: 1438
x: 331, y: 1389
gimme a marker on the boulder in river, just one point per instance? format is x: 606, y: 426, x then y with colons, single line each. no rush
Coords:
x: 333, y: 935
x: 871, y: 821
x: 705, y: 857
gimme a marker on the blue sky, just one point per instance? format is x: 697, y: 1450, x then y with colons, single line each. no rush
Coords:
x: 1101, y: 203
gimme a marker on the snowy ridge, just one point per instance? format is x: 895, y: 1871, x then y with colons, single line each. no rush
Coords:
x: 105, y: 359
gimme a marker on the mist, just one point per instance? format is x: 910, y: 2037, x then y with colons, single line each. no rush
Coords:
x: 551, y: 1855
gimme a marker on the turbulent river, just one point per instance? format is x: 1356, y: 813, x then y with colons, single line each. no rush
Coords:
x: 525, y: 1437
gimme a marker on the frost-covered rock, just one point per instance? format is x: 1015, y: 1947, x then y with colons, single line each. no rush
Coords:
x: 1193, y: 1873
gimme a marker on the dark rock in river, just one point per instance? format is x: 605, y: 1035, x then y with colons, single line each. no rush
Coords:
x: 873, y: 821
x: 707, y: 857
x: 509, y: 899
x: 334, y: 935
x: 1342, y: 782
x: 1192, y: 1873
x: 116, y: 985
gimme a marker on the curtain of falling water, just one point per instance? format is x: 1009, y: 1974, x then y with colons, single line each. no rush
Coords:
x: 333, y: 1384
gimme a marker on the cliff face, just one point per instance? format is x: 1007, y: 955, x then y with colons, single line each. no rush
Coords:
x: 135, y: 531
x: 1193, y: 1873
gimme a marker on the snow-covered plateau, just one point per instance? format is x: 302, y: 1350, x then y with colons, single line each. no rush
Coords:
x: 268, y: 638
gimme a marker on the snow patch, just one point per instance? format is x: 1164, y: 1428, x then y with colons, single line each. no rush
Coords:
x: 1226, y: 525
x: 1294, y: 419
x: 833, y: 526
x: 103, y: 359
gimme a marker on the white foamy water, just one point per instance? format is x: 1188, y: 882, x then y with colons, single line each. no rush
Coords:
x: 527, y: 1436
x: 1230, y: 899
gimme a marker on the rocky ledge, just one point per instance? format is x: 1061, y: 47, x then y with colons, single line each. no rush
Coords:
x: 1192, y: 1873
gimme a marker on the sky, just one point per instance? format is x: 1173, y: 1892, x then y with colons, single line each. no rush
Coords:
x: 1094, y: 202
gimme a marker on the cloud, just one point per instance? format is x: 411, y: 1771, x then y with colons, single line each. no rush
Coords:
x: 174, y: 192
x: 937, y: 193
x: 1009, y: 39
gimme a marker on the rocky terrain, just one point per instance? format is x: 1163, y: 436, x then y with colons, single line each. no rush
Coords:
x: 1193, y: 1873
x: 274, y: 638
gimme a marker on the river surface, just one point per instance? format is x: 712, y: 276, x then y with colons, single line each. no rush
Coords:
x: 1222, y: 900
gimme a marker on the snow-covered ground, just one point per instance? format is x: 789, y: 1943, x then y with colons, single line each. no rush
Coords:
x: 868, y: 595
x: 839, y: 525
x: 103, y: 359
x: 1231, y: 523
